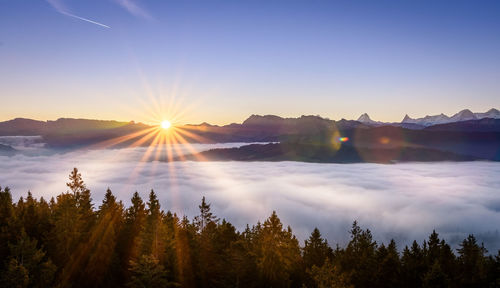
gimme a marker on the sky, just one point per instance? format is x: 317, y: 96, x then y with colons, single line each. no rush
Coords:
x: 404, y: 201
x: 221, y: 61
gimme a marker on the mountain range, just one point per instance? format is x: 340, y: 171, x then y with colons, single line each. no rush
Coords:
x: 462, y: 137
x: 419, y: 123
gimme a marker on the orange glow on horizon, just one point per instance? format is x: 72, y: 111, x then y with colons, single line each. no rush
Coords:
x: 161, y: 139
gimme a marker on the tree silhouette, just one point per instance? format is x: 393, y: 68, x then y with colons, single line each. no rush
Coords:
x: 472, y: 263
x: 316, y: 250
x: 205, y: 216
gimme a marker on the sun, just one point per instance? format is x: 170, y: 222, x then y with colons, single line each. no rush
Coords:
x: 165, y: 124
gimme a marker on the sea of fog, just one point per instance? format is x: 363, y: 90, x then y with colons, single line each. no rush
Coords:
x: 402, y: 201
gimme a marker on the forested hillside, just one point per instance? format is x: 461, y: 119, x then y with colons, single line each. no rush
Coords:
x: 68, y: 242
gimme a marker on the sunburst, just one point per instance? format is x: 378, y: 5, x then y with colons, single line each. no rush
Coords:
x: 165, y: 124
x: 162, y: 133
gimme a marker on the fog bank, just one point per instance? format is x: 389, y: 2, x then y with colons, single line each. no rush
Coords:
x: 402, y: 201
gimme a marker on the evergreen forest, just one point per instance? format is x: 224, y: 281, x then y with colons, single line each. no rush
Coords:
x: 69, y: 241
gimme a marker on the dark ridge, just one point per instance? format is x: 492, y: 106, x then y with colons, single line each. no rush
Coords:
x: 326, y: 154
x: 481, y: 125
x: 476, y: 138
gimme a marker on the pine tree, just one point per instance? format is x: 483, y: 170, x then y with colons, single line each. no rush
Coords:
x: 154, y: 230
x: 389, y: 266
x: 108, y: 203
x: 242, y: 259
x: 74, y: 221
x: 39, y: 270
x: 472, y: 263
x: 147, y: 273
x: 278, y: 253
x: 135, y: 219
x: 102, y: 254
x: 66, y: 234
x: 205, y: 216
x: 494, y: 270
x: 413, y: 265
x: 83, y: 200
x: 128, y: 246
x: 448, y: 262
x: 76, y: 184
x: 316, y: 250
x: 6, y: 207
x: 185, y: 236
x: 329, y: 276
x: 7, y: 231
x: 434, y: 247
x: 44, y: 222
x: 29, y: 217
x: 170, y: 223
x: 435, y: 277
x: 359, y: 257
x: 439, y: 251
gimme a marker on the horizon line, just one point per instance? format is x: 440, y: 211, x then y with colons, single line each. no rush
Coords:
x: 229, y: 123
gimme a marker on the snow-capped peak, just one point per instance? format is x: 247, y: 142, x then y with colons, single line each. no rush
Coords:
x: 429, y: 120
x: 463, y: 115
x: 364, y: 118
x: 492, y: 113
x: 407, y: 119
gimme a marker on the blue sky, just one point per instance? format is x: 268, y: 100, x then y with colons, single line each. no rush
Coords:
x: 220, y: 61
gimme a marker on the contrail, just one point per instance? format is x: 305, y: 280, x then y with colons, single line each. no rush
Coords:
x: 85, y: 19
x: 60, y: 7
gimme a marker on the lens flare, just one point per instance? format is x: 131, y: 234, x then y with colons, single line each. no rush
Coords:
x: 343, y: 139
x: 384, y: 140
x: 381, y: 145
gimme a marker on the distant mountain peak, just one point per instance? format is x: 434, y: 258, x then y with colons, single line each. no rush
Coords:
x: 365, y: 118
x: 258, y: 118
x: 492, y: 113
x: 406, y: 119
x: 463, y: 115
x: 465, y: 112
x: 204, y: 124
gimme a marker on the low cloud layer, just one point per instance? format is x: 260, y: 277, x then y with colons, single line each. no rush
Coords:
x: 402, y: 201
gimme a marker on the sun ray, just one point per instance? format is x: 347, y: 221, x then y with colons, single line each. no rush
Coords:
x: 193, y: 136
x: 178, y: 150
x: 118, y: 140
x: 160, y: 149
x: 168, y: 149
x: 188, y: 145
x: 151, y: 148
x: 142, y: 162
